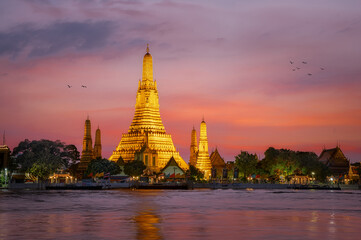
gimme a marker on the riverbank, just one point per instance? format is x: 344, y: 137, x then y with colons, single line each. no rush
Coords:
x: 189, y: 185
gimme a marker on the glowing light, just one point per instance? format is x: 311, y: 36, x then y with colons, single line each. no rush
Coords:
x: 146, y: 139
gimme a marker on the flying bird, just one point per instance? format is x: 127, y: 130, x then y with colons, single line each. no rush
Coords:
x: 322, y: 68
x: 83, y: 86
x: 291, y: 62
x: 298, y: 68
x: 293, y: 69
x: 309, y: 74
x: 304, y: 62
x: 69, y: 86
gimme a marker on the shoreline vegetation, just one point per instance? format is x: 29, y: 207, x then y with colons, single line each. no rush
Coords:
x: 178, y: 185
x: 56, y: 164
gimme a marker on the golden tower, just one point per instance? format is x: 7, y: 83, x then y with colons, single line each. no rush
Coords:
x: 147, y: 139
x: 194, y: 149
x: 203, y: 161
x: 87, y: 153
x: 97, y: 145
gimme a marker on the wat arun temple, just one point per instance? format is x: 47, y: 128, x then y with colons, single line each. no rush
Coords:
x: 147, y: 139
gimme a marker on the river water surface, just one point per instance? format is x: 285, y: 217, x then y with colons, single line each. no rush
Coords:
x: 173, y: 214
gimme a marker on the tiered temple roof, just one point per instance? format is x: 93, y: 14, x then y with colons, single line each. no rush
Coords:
x: 216, y: 160
x: 146, y: 138
x: 335, y: 160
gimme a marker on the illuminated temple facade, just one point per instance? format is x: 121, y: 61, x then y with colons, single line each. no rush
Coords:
x: 89, y: 153
x: 147, y: 139
x: 199, y: 156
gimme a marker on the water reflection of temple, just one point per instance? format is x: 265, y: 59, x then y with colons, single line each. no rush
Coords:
x: 147, y: 225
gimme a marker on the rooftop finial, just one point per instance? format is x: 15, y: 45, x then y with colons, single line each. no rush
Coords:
x: 4, y: 138
x: 147, y: 47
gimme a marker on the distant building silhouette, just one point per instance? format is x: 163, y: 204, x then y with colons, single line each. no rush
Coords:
x: 218, y: 163
x: 335, y: 160
x: 4, y: 156
x: 87, y: 152
x: 97, y: 145
x: 194, y: 149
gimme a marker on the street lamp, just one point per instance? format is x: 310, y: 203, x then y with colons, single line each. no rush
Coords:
x: 313, y: 176
x: 6, y: 175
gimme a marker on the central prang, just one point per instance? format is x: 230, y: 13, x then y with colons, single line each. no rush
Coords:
x: 146, y: 139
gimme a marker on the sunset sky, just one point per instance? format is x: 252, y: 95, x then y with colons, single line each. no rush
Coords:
x: 228, y: 61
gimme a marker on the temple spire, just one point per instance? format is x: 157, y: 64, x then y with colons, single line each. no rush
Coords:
x: 97, y: 145
x: 87, y: 140
x: 87, y: 152
x: 147, y: 139
x: 194, y: 148
x: 203, y: 161
x: 147, y: 67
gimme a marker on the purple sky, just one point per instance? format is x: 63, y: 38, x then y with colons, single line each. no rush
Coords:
x: 226, y: 60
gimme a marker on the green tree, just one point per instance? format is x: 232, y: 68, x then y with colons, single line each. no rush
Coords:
x: 102, y: 165
x: 279, y: 162
x: 309, y: 164
x: 40, y: 170
x: 70, y: 155
x: 2, y: 177
x: 134, y: 168
x: 40, y: 157
x: 194, y: 173
x: 246, y: 163
x: 287, y: 162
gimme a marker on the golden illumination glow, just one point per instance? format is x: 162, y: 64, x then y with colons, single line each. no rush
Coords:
x: 147, y: 139
x: 203, y: 160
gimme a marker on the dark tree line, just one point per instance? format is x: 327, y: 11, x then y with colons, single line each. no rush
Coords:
x: 102, y: 166
x: 281, y: 162
x: 43, y: 157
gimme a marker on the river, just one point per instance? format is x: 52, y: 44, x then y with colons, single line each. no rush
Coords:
x: 173, y: 214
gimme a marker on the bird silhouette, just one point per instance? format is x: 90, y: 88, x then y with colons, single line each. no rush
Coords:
x: 322, y: 68
x: 83, y: 86
x: 69, y: 86
x: 293, y: 69
x: 309, y: 74
x: 298, y: 68
x: 291, y: 62
x: 304, y: 62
